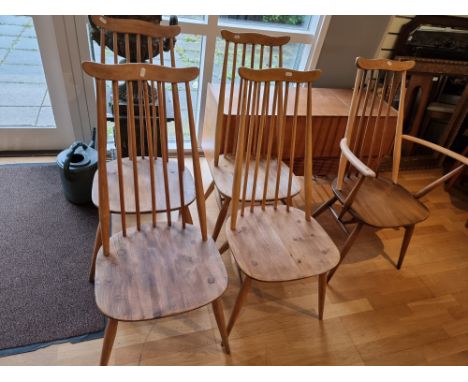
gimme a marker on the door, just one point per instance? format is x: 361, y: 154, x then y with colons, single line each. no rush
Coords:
x: 35, y: 93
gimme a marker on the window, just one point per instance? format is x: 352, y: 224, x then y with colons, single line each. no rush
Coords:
x: 200, y: 44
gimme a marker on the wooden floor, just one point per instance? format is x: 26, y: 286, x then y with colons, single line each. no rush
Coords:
x: 374, y: 314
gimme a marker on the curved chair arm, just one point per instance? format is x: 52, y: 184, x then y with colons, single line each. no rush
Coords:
x: 354, y: 160
x: 440, y: 149
x: 460, y: 158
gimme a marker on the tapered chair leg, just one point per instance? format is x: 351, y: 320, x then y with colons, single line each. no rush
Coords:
x: 221, y: 218
x: 347, y: 246
x: 97, y: 246
x: 322, y: 290
x: 324, y: 206
x: 404, y: 246
x: 224, y: 247
x: 219, y: 315
x: 209, y: 190
x: 239, y: 302
x: 109, y: 337
x: 186, y: 215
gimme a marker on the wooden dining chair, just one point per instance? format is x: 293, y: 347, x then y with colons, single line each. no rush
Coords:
x: 241, y: 50
x: 147, y: 39
x: 162, y: 268
x: 364, y: 195
x: 276, y: 242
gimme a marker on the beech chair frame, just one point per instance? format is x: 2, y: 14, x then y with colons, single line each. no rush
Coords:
x: 149, y: 33
x: 378, y: 83
x: 244, y: 48
x: 272, y: 242
x: 150, y: 242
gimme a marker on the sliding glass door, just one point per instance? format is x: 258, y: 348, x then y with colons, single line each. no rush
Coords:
x: 34, y: 107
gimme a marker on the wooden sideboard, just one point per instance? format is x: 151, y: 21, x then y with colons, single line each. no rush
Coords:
x: 330, y: 108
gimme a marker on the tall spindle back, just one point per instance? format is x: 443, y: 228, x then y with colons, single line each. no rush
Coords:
x: 179, y: 81
x: 266, y: 96
x: 138, y: 42
x: 251, y: 50
x: 378, y: 101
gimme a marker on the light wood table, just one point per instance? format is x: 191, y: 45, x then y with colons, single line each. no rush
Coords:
x: 330, y: 108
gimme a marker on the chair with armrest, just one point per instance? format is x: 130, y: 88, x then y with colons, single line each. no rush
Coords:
x: 360, y: 190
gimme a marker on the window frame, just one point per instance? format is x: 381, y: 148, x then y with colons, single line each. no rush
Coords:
x: 210, y: 28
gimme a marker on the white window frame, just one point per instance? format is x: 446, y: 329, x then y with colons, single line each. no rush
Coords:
x: 210, y: 28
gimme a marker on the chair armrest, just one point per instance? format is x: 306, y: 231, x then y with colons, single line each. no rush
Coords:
x: 354, y: 160
x: 444, y: 151
x: 437, y: 148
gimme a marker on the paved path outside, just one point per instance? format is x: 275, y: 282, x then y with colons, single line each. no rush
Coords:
x: 24, y: 99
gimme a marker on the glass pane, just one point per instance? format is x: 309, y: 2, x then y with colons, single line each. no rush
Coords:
x: 192, y: 17
x: 268, y: 21
x: 294, y: 55
x: 24, y: 98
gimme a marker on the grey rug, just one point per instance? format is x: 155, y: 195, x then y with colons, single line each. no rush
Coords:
x: 45, y: 250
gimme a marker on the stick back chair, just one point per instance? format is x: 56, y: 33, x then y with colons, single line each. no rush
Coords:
x: 148, y: 39
x: 360, y: 189
x: 241, y: 50
x: 162, y: 268
x: 274, y: 242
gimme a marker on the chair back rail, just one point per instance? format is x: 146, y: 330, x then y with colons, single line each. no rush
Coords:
x: 379, y: 90
x: 238, y: 48
x: 159, y: 76
x: 264, y: 101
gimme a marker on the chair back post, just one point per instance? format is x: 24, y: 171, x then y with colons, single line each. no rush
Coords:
x: 350, y: 126
x: 104, y: 211
x: 260, y: 126
x: 240, y: 42
x: 399, y: 130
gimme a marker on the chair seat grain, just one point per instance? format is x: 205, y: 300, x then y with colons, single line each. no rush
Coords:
x: 158, y: 272
x: 277, y: 245
x: 144, y: 186
x: 381, y: 203
x: 223, y: 176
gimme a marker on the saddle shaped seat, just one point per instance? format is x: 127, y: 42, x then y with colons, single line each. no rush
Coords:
x: 277, y: 245
x: 381, y: 203
x: 158, y: 272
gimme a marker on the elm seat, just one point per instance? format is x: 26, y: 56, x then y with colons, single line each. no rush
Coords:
x: 158, y: 272
x: 144, y: 186
x: 223, y: 176
x: 381, y: 203
x: 279, y: 245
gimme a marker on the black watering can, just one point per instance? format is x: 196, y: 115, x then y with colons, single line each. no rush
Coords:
x: 77, y: 166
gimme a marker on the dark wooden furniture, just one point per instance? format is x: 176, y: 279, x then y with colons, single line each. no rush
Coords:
x: 157, y: 269
x: 272, y: 242
x: 362, y: 193
x: 421, y: 81
x: 439, y: 46
x: 329, y: 112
